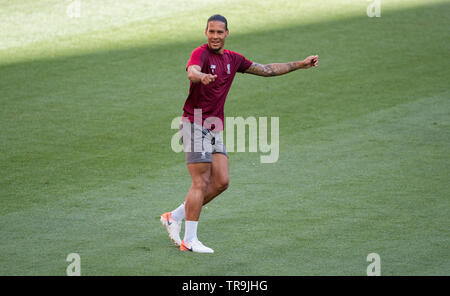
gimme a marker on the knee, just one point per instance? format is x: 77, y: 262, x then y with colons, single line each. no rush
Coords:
x: 201, y: 184
x: 223, y: 184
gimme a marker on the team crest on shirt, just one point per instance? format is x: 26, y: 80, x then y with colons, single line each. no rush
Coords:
x: 228, y: 69
x: 213, y: 67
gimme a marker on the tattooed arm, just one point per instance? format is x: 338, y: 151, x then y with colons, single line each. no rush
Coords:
x: 282, y: 68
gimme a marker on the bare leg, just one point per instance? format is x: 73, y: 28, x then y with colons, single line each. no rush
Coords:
x: 219, y: 177
x: 200, y: 175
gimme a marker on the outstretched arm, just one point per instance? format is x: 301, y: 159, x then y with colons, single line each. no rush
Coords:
x: 282, y: 68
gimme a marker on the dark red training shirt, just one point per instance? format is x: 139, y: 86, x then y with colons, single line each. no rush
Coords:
x: 211, y: 98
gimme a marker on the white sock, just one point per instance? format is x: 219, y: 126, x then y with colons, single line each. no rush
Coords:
x: 179, y: 213
x: 190, y: 232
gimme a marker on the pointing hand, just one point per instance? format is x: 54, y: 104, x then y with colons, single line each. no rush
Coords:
x: 208, y: 78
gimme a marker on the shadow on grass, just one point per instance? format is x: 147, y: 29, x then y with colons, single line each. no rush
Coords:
x: 101, y: 120
x: 80, y: 113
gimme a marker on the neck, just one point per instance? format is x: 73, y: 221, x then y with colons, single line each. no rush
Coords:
x: 219, y: 51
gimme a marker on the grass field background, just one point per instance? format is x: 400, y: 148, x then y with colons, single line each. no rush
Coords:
x: 86, y: 165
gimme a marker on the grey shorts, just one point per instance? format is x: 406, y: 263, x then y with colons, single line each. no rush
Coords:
x: 200, y: 143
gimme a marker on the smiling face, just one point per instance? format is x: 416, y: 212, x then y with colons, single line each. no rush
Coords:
x: 216, y: 33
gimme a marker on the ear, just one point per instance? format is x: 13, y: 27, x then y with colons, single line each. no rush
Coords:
x: 226, y: 33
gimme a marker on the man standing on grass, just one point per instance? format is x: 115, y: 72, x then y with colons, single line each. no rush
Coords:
x: 211, y: 70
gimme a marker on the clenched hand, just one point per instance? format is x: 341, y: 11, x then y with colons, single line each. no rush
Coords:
x: 311, y: 61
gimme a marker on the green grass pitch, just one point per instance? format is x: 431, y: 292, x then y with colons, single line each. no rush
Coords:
x: 86, y: 165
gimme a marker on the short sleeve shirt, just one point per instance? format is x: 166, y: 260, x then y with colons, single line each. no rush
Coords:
x: 211, y: 98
